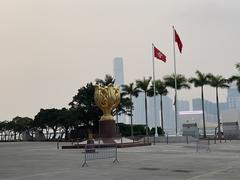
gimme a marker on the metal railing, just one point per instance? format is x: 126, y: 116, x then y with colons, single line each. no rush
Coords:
x: 94, y: 152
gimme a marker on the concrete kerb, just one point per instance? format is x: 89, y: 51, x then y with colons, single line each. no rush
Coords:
x: 173, y: 139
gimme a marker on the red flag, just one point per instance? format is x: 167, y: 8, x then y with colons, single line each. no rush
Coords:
x: 159, y: 55
x: 178, y: 41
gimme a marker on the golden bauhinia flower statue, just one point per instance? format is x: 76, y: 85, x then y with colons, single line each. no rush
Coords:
x: 107, y: 98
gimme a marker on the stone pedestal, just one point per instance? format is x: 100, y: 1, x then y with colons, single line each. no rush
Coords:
x: 107, y: 128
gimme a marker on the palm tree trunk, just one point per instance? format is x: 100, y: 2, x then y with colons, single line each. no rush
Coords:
x: 203, y: 110
x: 47, y: 132
x: 146, y: 114
x: 218, y: 116
x: 161, y: 106
x: 54, y: 132
x: 131, y: 117
x: 15, y: 136
x: 66, y: 132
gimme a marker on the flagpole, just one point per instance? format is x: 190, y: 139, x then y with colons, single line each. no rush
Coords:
x: 175, y: 97
x: 154, y: 93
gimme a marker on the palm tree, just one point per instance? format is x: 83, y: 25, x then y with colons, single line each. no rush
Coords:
x: 161, y: 89
x: 143, y: 87
x: 236, y: 77
x: 122, y: 108
x: 199, y: 81
x: 131, y: 91
x: 3, y: 129
x: 182, y: 83
x: 217, y: 82
x: 106, y: 81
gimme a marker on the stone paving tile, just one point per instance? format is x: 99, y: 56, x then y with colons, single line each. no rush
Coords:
x: 42, y: 160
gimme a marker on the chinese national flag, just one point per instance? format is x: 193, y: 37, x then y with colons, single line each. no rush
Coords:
x: 178, y: 41
x: 159, y: 55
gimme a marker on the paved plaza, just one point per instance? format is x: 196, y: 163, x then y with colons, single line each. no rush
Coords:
x: 42, y: 160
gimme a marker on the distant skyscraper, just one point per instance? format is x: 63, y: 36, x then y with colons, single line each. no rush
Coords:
x: 118, y: 71
x: 233, y: 97
x: 119, y: 79
x: 210, y: 108
x: 139, y: 109
x: 168, y: 113
x: 183, y: 105
x: 151, y: 116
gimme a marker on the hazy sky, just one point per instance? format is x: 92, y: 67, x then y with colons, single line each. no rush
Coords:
x: 50, y: 48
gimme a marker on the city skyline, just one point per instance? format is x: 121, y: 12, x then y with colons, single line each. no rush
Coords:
x: 49, y: 49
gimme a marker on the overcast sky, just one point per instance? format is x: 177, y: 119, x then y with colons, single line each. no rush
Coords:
x: 50, y: 48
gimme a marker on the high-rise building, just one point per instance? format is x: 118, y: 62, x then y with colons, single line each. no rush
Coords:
x: 210, y: 108
x: 118, y: 71
x: 183, y: 105
x: 139, y: 109
x: 119, y: 79
x: 168, y: 113
x: 233, y: 97
x: 232, y: 113
x: 151, y: 112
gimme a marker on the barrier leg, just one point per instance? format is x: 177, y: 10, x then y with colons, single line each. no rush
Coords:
x: 85, y: 160
x: 197, y: 147
x: 84, y: 163
x: 116, y: 159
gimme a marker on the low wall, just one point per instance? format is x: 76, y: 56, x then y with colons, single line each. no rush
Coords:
x: 173, y: 139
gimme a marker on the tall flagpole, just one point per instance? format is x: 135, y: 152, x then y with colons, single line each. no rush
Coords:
x: 175, y: 97
x: 154, y: 93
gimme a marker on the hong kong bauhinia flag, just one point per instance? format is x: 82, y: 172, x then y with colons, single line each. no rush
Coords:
x: 178, y: 41
x: 159, y: 55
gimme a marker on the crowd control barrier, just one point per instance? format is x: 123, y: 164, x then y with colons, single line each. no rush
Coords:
x: 102, y: 151
x: 203, y: 144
